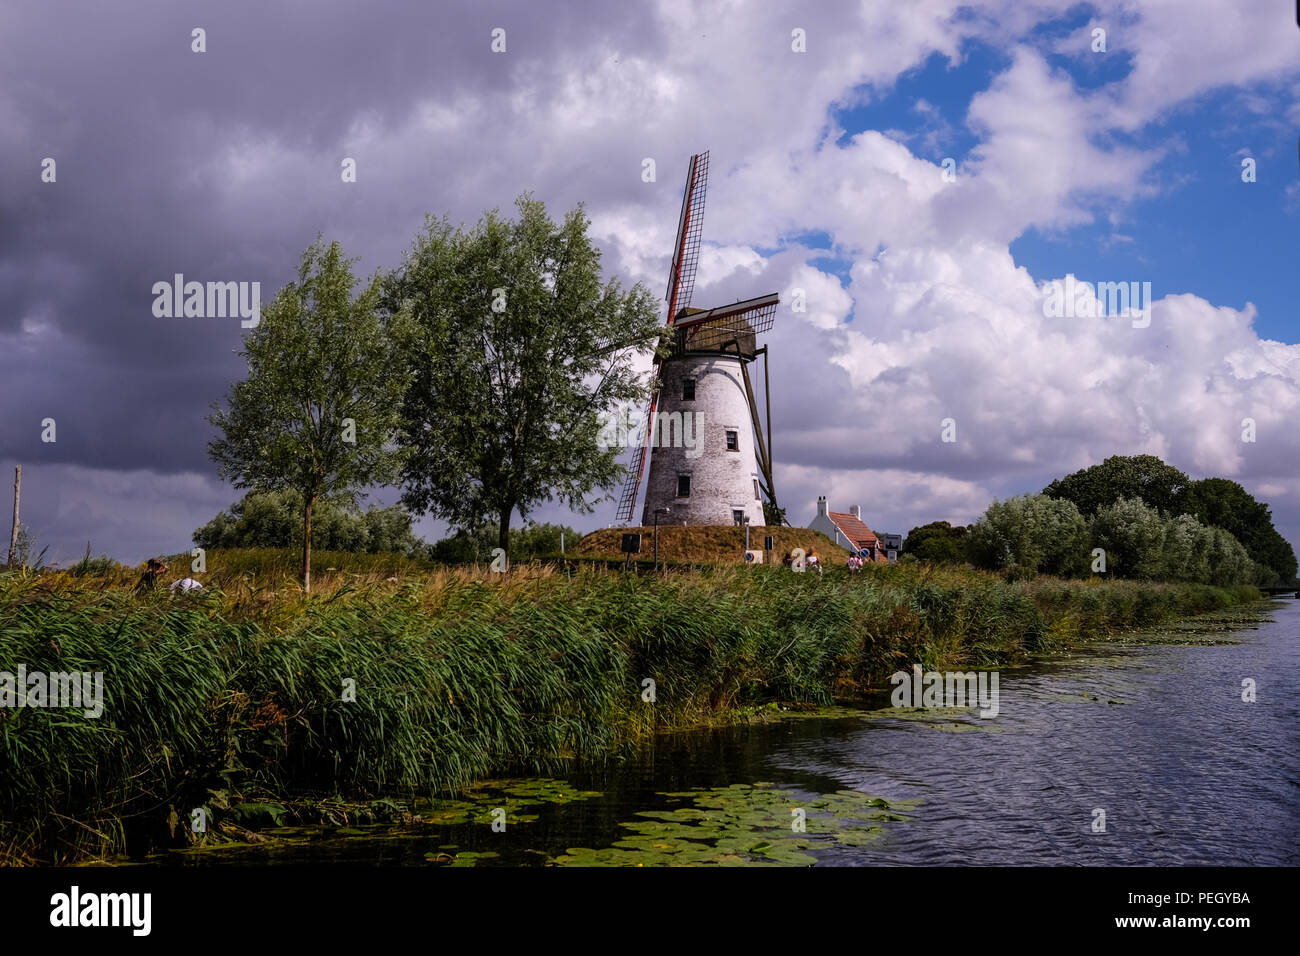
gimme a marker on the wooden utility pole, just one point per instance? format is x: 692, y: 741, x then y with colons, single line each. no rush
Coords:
x: 13, y: 533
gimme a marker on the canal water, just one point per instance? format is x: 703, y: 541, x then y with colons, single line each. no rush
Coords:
x: 1139, y: 751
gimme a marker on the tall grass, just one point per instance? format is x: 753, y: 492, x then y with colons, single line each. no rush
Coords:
x: 459, y: 674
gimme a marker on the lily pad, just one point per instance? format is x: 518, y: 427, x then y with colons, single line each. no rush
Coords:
x: 745, y: 825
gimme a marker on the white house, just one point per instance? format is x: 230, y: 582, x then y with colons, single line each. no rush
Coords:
x: 847, y: 530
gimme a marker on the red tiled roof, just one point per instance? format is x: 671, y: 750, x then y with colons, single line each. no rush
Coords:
x: 853, y: 529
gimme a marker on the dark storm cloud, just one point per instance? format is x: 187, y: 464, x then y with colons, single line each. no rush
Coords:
x: 150, y: 139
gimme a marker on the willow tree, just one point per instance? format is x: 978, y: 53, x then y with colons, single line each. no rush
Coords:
x: 517, y: 347
x: 319, y: 408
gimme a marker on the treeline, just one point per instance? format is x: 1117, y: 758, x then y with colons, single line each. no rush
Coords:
x: 274, y: 519
x: 1133, y: 517
x: 477, y: 543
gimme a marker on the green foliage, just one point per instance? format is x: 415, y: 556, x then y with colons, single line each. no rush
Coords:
x: 466, y: 546
x: 1144, y: 477
x: 1030, y: 534
x: 320, y: 404
x: 1132, y: 534
x: 1034, y: 534
x: 273, y: 519
x: 502, y: 327
x: 1227, y: 505
x: 461, y: 676
x: 89, y: 566
x: 1187, y: 545
x: 937, y: 541
x: 534, y: 539
x: 1216, y: 502
x: 25, y: 554
x: 1140, y: 543
x: 476, y: 544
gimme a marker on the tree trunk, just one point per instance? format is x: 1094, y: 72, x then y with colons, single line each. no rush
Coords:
x: 306, y: 545
x: 503, y: 535
x: 13, y: 534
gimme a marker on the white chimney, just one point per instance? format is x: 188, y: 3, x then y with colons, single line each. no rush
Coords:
x: 821, y: 505
x: 856, y: 511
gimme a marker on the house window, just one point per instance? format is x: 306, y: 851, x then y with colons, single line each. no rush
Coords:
x: 737, y: 516
x: 757, y: 497
x: 683, y: 486
x: 688, y: 389
x: 733, y: 440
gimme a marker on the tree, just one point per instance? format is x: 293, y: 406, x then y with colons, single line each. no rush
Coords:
x: 473, y: 544
x: 274, y: 519
x: 1225, y: 504
x: 1187, y: 548
x: 1144, y: 477
x: 1228, y: 560
x: 1132, y: 534
x: 937, y: 541
x: 25, y: 553
x: 535, y: 540
x: 506, y: 328
x: 1216, y: 502
x: 322, y: 396
x: 1030, y: 534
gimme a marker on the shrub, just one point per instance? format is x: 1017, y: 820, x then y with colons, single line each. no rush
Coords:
x: 1030, y: 534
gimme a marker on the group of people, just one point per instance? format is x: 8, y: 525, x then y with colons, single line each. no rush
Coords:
x: 813, y: 561
x: 858, y: 558
x: 154, y: 569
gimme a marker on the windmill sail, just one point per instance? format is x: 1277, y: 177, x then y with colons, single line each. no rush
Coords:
x: 681, y: 284
x: 690, y: 225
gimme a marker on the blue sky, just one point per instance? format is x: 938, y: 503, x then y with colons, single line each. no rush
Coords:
x: 1203, y: 230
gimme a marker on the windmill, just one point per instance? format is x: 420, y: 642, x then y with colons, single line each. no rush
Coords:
x: 717, y: 471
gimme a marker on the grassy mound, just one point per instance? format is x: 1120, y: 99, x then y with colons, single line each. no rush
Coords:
x: 709, y: 544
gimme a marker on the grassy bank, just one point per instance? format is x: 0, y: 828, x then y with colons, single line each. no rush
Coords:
x: 238, y: 690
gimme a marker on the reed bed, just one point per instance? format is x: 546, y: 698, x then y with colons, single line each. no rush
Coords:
x: 241, y: 688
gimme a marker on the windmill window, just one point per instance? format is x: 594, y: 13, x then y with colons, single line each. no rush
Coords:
x: 737, y: 516
x: 733, y: 441
x: 683, y: 486
x: 756, y: 494
x: 688, y: 389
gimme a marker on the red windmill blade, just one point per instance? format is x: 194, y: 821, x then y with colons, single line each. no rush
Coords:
x: 681, y: 284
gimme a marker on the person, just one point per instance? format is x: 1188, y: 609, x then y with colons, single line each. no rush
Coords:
x: 153, y: 567
x: 854, y: 561
x: 812, y: 560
